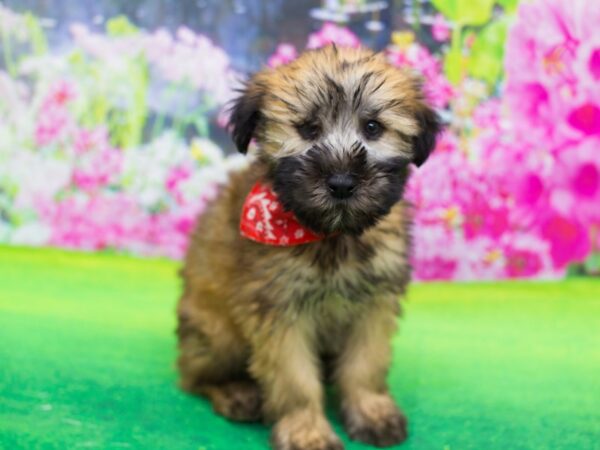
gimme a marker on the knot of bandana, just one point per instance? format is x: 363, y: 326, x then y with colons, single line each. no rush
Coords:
x: 265, y: 221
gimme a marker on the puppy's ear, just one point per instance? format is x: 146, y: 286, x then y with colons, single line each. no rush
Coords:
x: 245, y: 114
x: 429, y: 126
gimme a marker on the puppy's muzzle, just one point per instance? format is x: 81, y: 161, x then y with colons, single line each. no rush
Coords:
x: 342, y: 185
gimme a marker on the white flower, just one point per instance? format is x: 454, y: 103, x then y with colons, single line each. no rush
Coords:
x: 31, y: 233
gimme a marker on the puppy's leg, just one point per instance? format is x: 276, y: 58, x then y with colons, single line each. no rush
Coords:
x: 286, y: 365
x: 370, y: 414
x: 236, y: 400
x: 212, y: 362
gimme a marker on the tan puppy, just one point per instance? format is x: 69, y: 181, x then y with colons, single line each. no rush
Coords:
x: 260, y: 326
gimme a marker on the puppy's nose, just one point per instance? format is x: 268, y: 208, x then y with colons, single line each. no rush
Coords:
x: 341, y: 185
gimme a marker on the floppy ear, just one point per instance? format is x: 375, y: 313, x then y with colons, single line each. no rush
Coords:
x: 245, y: 115
x: 429, y: 126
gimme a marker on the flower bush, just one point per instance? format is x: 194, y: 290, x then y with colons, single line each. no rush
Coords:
x: 521, y: 175
x: 96, y: 154
x: 86, y: 158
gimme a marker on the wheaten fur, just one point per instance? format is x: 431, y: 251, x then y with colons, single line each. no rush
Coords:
x: 261, y: 327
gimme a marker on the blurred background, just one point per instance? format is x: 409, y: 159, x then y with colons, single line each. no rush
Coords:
x: 113, y: 118
x: 113, y: 121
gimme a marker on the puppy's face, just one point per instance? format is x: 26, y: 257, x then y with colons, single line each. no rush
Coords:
x: 338, y: 128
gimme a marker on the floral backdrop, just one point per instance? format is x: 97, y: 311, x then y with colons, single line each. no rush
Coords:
x: 110, y: 144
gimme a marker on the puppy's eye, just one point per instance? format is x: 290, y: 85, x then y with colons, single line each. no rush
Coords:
x: 309, y: 130
x: 372, y: 129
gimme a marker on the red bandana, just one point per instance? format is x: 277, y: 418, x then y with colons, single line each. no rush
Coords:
x: 264, y: 220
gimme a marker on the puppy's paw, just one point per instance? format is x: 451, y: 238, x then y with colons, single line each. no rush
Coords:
x: 238, y: 400
x: 304, y: 430
x: 375, y: 419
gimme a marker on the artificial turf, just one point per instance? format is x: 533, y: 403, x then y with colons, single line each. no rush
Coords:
x: 87, y: 349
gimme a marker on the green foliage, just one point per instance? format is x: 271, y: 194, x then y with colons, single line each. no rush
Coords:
x: 115, y: 94
x: 484, y: 60
x: 454, y: 60
x: 34, y: 36
x: 123, y: 111
x: 487, y: 54
x: 592, y: 264
x: 7, y: 53
x: 509, y: 6
x: 466, y: 12
x: 128, y: 122
x: 37, y: 37
x: 120, y: 26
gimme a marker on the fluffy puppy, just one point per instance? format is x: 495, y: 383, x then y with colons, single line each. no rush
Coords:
x: 261, y: 326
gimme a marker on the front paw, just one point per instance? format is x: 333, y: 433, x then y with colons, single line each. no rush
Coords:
x: 375, y: 419
x: 304, y: 430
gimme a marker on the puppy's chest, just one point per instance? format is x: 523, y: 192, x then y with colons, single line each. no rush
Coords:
x: 344, y: 275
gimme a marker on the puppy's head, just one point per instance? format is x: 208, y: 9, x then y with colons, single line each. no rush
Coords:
x: 338, y: 129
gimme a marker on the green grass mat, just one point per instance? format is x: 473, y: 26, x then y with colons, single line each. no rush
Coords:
x: 87, y: 350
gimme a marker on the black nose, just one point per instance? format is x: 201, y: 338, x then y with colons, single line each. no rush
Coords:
x: 341, y: 185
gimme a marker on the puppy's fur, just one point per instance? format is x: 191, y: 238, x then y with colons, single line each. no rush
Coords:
x: 261, y: 326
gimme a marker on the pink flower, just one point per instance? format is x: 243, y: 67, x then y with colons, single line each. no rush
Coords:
x: 177, y: 175
x: 167, y: 233
x: 440, y: 28
x: 594, y: 64
x: 59, y: 94
x: 116, y: 221
x: 437, y: 268
x: 525, y: 254
x: 438, y: 89
x: 551, y: 59
x: 521, y: 263
x: 576, y: 181
x: 86, y: 140
x: 435, y: 256
x: 53, y: 118
x: 529, y: 102
x: 585, y: 118
x: 446, y: 142
x: 284, y: 53
x: 481, y: 219
x: 333, y: 34
x: 439, y: 186
x: 95, y: 170
x: 569, y: 240
x: 586, y: 180
x: 51, y: 126
x: 588, y: 61
x: 530, y: 189
x: 488, y: 114
x: 93, y: 223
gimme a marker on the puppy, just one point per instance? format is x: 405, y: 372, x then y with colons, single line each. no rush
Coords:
x: 261, y: 324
